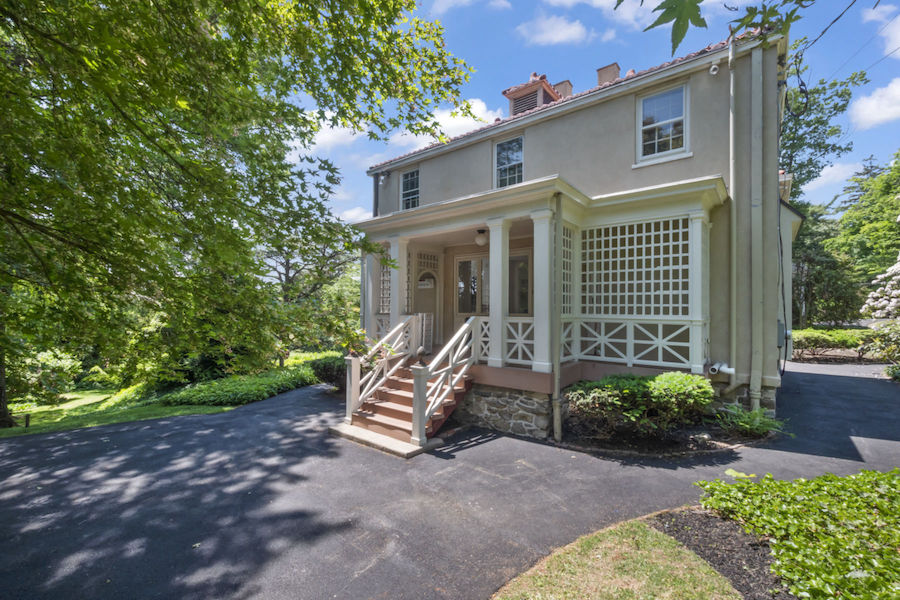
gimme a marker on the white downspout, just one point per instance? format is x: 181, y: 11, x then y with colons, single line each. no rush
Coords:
x: 757, y: 296
x: 732, y: 287
x: 555, y: 308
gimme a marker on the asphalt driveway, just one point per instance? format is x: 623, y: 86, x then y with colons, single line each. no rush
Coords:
x: 261, y: 502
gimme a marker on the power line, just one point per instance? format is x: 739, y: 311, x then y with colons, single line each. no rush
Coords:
x: 894, y: 51
x: 869, y: 41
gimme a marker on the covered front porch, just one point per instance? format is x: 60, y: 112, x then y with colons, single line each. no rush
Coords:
x: 535, y: 286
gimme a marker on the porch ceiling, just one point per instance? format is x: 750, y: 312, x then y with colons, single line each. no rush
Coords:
x: 459, y: 237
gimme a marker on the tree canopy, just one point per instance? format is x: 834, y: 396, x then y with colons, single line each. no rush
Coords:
x: 145, y: 150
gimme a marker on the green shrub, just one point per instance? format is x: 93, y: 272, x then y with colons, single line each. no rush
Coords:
x: 814, y: 342
x: 44, y: 376
x: 885, y: 342
x: 893, y: 371
x: 643, y: 405
x: 756, y: 423
x: 98, y: 379
x: 330, y: 369
x: 831, y: 537
x: 241, y: 389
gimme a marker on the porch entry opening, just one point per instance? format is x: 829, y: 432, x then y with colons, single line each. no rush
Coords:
x: 473, y: 286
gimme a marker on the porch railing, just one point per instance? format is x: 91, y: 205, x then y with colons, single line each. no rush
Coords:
x: 382, y: 361
x: 433, y: 383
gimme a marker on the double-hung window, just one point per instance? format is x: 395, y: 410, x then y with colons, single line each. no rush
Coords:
x: 409, y: 192
x: 662, y: 123
x: 509, y: 162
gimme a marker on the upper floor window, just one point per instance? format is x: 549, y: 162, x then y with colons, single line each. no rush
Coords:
x: 662, y: 121
x: 409, y: 191
x: 509, y: 162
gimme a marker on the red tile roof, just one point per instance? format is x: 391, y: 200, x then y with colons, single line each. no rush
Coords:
x: 630, y: 75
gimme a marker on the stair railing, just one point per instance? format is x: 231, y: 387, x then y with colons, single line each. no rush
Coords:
x: 433, y: 383
x: 382, y: 361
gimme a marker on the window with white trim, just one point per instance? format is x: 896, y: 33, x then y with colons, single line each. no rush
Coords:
x: 662, y: 123
x: 409, y: 190
x: 510, y: 158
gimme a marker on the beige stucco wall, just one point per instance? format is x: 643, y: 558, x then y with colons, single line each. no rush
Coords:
x: 594, y: 150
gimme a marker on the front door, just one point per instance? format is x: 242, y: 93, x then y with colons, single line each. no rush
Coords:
x: 472, y: 285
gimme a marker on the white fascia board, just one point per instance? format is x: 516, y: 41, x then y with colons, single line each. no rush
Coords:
x: 595, y: 97
x: 710, y: 189
x: 483, y: 204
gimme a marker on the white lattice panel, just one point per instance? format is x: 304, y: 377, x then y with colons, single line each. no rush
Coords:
x: 568, y: 349
x: 665, y: 344
x: 568, y: 258
x: 382, y: 326
x: 384, y: 296
x: 483, y: 332
x: 604, y: 340
x: 427, y: 262
x: 636, y: 269
x: 519, y: 340
x: 654, y: 343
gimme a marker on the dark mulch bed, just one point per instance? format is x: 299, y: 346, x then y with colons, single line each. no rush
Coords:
x: 738, y: 556
x: 700, y: 438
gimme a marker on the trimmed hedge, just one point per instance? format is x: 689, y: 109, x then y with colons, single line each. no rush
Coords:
x: 241, y: 389
x: 642, y: 405
x: 330, y: 369
x: 814, y: 342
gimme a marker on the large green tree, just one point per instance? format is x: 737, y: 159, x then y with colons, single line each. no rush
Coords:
x: 144, y: 148
x: 869, y: 231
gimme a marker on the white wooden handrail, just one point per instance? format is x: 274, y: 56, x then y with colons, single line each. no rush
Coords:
x: 433, y: 383
x: 399, y: 343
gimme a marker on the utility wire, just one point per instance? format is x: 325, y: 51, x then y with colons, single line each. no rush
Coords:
x: 869, y: 41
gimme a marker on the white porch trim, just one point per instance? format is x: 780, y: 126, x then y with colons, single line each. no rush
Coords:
x: 499, y: 286
x: 543, y: 289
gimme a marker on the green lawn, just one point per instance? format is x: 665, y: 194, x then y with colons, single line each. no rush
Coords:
x: 138, y: 402
x: 92, y: 408
x: 630, y: 560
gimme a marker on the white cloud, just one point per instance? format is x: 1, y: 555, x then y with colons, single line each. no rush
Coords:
x: 499, y: 4
x: 878, y: 14
x: 608, y: 35
x: 881, y: 106
x: 890, y: 31
x: 836, y: 173
x: 552, y: 30
x: 630, y: 13
x: 441, y: 6
x: 355, y: 214
x: 329, y: 138
x: 452, y: 125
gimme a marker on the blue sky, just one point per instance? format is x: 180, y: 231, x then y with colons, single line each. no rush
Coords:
x: 506, y: 40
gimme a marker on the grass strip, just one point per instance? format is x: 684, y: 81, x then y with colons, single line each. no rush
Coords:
x: 628, y: 561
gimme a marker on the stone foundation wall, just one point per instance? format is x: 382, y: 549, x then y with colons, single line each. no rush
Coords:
x: 511, y: 411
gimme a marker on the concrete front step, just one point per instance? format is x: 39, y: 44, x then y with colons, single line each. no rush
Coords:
x: 399, y: 429
x: 384, y: 443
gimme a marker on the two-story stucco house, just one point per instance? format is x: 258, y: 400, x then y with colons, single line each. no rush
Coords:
x: 637, y: 226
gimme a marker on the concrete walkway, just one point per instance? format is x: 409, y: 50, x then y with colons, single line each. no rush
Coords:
x: 261, y: 503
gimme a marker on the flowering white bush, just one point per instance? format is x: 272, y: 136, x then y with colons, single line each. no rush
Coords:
x: 884, y: 302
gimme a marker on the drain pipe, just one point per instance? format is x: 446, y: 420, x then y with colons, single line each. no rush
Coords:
x: 757, y: 295
x: 732, y: 287
x: 555, y: 308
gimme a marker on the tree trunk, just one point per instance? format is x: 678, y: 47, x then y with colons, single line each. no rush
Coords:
x: 6, y: 419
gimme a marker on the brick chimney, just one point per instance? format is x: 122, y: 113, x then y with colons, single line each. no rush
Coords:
x: 564, y: 88
x: 607, y: 74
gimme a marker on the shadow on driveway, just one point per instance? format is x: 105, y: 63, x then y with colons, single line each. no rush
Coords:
x: 172, y: 508
x: 839, y: 411
x: 260, y: 502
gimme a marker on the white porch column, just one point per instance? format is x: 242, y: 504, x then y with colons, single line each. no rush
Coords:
x: 698, y: 284
x: 543, y: 289
x: 371, y: 283
x: 499, y: 287
x: 398, y: 279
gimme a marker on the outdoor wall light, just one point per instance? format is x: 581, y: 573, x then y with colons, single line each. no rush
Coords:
x: 481, y: 239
